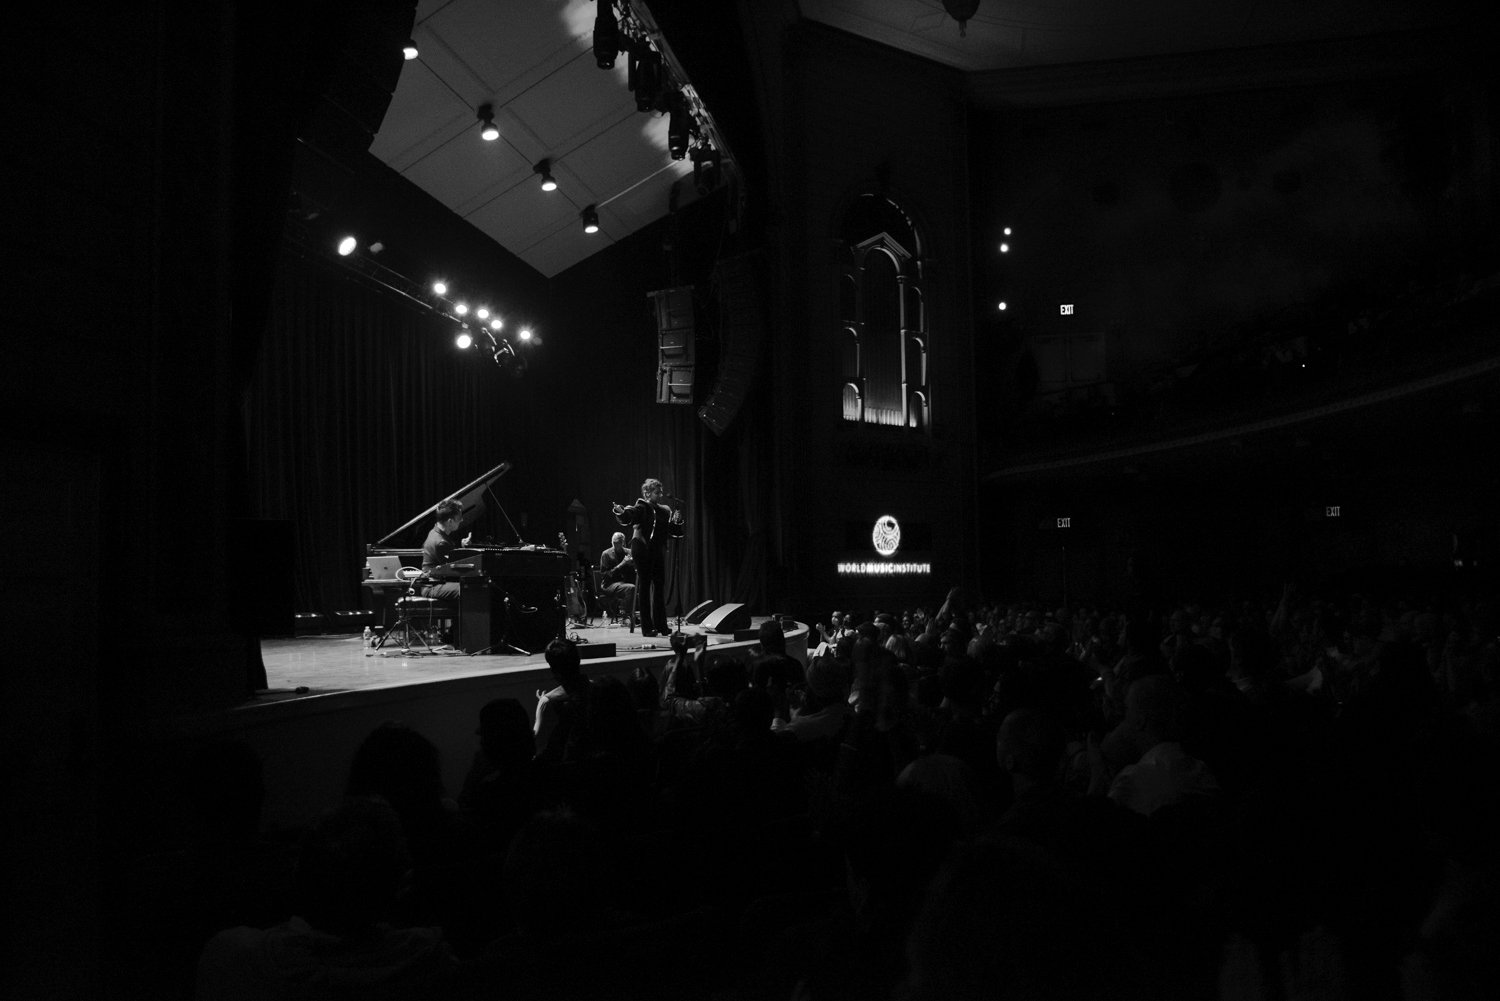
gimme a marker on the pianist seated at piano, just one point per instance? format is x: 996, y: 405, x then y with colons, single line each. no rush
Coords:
x: 438, y: 549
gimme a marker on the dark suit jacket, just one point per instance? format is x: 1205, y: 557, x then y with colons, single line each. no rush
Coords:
x: 652, y: 522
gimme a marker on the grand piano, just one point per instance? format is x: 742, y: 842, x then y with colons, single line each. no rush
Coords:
x: 512, y: 598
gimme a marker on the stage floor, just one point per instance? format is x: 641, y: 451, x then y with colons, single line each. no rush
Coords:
x: 336, y: 662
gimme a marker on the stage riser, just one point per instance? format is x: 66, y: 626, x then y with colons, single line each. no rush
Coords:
x: 306, y: 744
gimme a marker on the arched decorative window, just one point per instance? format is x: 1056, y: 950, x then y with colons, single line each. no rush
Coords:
x: 883, y: 318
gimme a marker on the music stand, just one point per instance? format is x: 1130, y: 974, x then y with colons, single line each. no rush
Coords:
x: 676, y: 504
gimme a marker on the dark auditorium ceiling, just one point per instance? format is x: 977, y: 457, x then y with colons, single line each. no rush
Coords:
x: 532, y: 59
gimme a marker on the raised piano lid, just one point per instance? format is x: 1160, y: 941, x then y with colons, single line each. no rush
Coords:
x: 472, y: 499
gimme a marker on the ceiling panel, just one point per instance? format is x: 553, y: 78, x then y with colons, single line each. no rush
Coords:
x: 533, y: 60
x: 569, y: 107
x: 462, y: 169
x: 567, y: 246
x: 423, y: 114
x: 1006, y: 34
x: 525, y: 215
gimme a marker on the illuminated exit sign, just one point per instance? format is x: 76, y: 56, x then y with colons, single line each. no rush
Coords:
x: 1332, y: 512
x: 1065, y: 523
x: 1066, y: 308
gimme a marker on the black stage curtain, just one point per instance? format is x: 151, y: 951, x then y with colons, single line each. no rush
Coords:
x: 362, y: 414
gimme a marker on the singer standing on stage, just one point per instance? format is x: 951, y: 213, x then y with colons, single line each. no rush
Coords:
x: 652, y: 523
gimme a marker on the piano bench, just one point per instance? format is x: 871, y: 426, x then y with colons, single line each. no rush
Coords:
x: 413, y: 610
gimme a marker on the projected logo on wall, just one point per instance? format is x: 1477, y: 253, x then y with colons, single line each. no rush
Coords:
x: 886, y: 538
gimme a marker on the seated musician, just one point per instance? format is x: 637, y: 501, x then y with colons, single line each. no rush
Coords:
x: 615, y: 570
x: 438, y: 549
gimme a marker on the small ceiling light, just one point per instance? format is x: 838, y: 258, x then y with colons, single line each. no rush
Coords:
x: 464, y: 340
x: 461, y: 308
x: 1004, y: 248
x: 489, y: 132
x: 524, y: 333
x: 1002, y: 305
x: 590, y: 220
x: 409, y: 50
x: 496, y: 323
x: 376, y: 247
x: 1007, y: 231
x: 347, y: 246
x: 544, y: 168
x: 440, y: 288
x: 606, y: 35
x: 482, y: 312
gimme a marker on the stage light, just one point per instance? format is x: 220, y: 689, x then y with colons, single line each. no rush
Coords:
x: 439, y: 288
x: 488, y: 130
x: 376, y: 247
x: 409, y: 50
x: 461, y: 308
x: 645, y: 78
x: 544, y: 168
x: 482, y: 312
x: 347, y: 246
x: 1002, y: 306
x: 705, y: 168
x: 496, y: 323
x: 1007, y: 231
x: 679, y: 127
x: 606, y: 36
x: 524, y: 333
x: 1004, y: 248
x: 464, y: 340
x: 590, y: 220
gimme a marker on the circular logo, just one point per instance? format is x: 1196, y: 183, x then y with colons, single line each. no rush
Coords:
x: 887, y: 535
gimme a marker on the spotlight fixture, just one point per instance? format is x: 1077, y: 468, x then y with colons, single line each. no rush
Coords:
x: 376, y: 247
x: 524, y: 333
x: 464, y: 340
x: 705, y: 167
x: 489, y: 132
x: 679, y: 127
x: 461, y: 308
x: 1004, y: 248
x: 544, y: 168
x: 1002, y: 306
x: 606, y: 35
x: 409, y: 50
x: 347, y: 246
x: 439, y: 288
x: 496, y: 323
x: 482, y: 312
x: 1007, y: 231
x: 645, y: 77
x: 590, y: 220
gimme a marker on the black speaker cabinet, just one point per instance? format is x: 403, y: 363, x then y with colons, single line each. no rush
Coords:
x: 699, y: 612
x: 727, y: 618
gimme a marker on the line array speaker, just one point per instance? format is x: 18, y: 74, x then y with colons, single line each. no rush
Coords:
x: 742, y: 334
x: 676, y: 344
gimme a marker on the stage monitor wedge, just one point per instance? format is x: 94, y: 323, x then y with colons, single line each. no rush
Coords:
x: 699, y: 612
x: 727, y: 618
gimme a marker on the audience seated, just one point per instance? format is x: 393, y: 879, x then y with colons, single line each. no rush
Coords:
x: 339, y: 943
x: 1063, y: 802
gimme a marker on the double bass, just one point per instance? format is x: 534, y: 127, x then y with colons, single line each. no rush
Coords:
x: 578, y: 609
